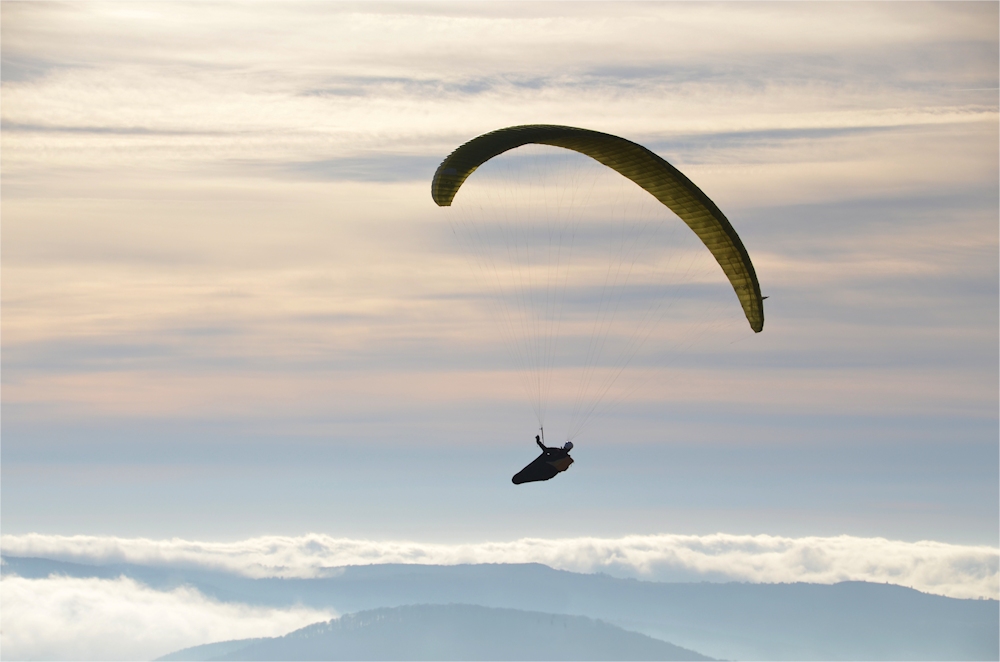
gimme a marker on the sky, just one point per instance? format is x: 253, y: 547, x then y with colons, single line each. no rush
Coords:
x: 231, y: 310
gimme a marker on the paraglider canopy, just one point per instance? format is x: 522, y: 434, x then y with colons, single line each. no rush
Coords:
x: 649, y: 171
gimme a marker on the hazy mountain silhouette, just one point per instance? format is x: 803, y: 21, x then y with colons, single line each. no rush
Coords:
x: 846, y: 621
x: 208, y: 652
x: 449, y: 632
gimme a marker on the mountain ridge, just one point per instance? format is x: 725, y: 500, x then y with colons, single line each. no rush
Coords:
x: 848, y: 620
x: 447, y: 632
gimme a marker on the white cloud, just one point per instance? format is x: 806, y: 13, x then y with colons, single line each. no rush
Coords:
x: 467, y: 36
x: 319, y: 81
x: 962, y: 571
x: 64, y: 618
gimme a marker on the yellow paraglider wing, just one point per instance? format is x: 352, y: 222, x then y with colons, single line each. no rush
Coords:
x: 635, y: 162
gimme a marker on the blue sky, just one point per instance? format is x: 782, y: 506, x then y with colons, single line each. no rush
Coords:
x: 231, y: 309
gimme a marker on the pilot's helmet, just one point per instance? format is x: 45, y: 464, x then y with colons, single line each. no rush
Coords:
x: 568, y: 446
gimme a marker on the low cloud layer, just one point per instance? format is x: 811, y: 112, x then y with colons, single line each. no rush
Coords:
x: 960, y: 571
x: 64, y: 618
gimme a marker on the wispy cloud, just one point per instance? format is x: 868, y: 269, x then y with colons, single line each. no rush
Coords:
x: 64, y: 618
x: 220, y: 213
x: 321, y: 82
x: 963, y: 571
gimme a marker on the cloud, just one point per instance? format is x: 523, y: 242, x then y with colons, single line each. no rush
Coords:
x: 203, y: 83
x: 961, y: 571
x: 221, y: 214
x: 364, y: 35
x: 64, y: 618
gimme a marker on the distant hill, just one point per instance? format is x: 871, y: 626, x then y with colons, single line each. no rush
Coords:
x: 207, y: 652
x: 846, y: 621
x: 448, y: 632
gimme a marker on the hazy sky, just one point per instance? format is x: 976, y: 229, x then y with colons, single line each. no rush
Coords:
x: 231, y: 309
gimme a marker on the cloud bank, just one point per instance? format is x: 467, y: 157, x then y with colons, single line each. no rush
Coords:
x: 63, y: 618
x: 960, y: 571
